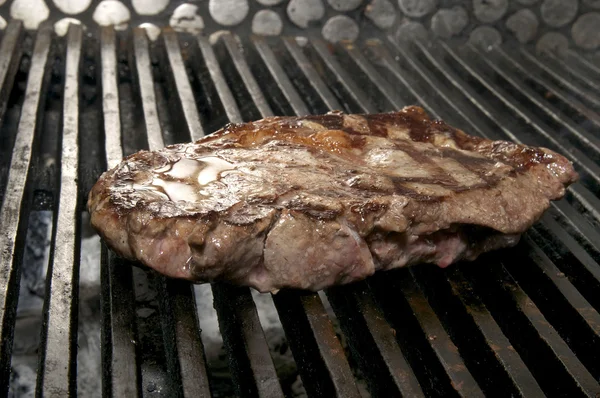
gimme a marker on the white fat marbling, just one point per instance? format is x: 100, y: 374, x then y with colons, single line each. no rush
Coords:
x: 177, y: 191
x: 2, y: 23
x: 212, y: 170
x: 184, y: 168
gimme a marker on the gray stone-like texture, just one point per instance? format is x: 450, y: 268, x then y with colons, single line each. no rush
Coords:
x: 485, y: 37
x: 381, y: 12
x: 586, y: 31
x: 269, y: 2
x: 303, y: 12
x: 340, y: 28
x: 449, y: 22
x: 524, y: 24
x: 557, y: 13
x: 553, y: 43
x: 267, y: 23
x: 592, y: 3
x: 527, y: 2
x: 410, y: 30
x: 488, y: 11
x: 344, y: 5
x: 228, y: 12
x: 417, y: 8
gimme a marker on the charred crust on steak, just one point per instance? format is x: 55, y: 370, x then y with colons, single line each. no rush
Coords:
x: 308, y: 202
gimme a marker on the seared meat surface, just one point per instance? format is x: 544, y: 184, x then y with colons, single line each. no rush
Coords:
x: 310, y: 202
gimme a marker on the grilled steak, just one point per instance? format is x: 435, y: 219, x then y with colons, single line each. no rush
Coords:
x: 310, y: 202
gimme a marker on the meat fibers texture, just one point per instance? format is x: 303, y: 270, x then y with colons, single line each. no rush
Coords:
x: 311, y: 202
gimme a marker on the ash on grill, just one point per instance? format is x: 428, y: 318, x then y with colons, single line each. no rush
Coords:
x: 522, y: 322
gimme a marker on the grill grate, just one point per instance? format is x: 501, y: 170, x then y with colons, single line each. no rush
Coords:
x: 523, y: 321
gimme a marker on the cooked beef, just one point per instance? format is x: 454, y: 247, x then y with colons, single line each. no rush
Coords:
x: 310, y: 202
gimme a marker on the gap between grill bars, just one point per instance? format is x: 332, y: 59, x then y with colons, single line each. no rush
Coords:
x: 522, y: 322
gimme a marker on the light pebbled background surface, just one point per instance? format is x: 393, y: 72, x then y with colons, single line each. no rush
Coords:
x: 547, y: 25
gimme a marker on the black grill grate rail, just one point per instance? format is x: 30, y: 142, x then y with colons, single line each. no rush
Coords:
x: 521, y: 322
x: 121, y: 374
x: 12, y: 218
x: 58, y: 353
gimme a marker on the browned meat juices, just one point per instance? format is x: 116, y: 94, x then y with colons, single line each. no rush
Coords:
x: 310, y: 202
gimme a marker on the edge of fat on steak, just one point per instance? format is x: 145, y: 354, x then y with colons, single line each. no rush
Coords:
x: 311, y: 202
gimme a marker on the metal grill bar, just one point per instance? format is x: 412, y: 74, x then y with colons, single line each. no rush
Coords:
x: 312, y: 340
x: 582, y: 194
x: 550, y: 66
x: 357, y: 56
x: 547, y: 340
x: 576, y: 155
x: 533, y: 329
x: 469, y: 117
x: 373, y: 342
x: 146, y: 86
x: 486, y: 326
x: 184, y: 351
x: 520, y: 375
x: 580, y: 248
x: 571, y: 69
x: 434, y: 86
x: 9, y: 60
x: 323, y: 366
x: 378, y: 331
x: 59, y: 351
x: 388, y: 61
x: 587, y: 313
x: 182, y: 83
x: 247, y: 77
x: 110, y: 98
x: 566, y: 98
x: 571, y: 216
x: 466, y: 114
x: 223, y: 90
x: 587, y: 198
x: 249, y: 357
x: 586, y: 138
x: 566, y: 239
x: 280, y: 77
x: 584, y: 63
x: 446, y: 351
x: 12, y: 219
x: 121, y: 376
x: 252, y: 366
x: 474, y: 384
x: 351, y: 87
x: 311, y: 74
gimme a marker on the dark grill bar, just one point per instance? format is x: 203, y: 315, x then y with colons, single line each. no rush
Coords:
x: 12, y: 219
x: 566, y: 98
x: 518, y: 372
x: 520, y: 322
x: 121, y: 374
x: 58, y: 352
